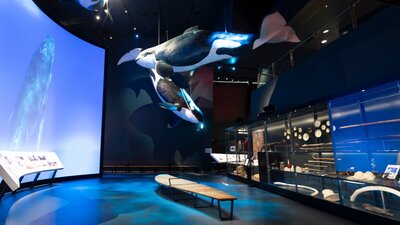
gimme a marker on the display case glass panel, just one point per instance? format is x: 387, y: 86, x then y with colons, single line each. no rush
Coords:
x: 366, y: 138
x: 237, y: 150
x: 257, y: 149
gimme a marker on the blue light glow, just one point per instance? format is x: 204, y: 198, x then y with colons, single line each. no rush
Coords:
x: 240, y: 39
x: 137, y: 36
x: 233, y: 60
x: 233, y: 68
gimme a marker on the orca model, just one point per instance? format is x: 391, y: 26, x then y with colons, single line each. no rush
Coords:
x: 176, y: 100
x: 195, y: 48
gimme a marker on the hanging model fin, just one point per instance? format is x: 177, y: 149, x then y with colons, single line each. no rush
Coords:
x: 274, y: 30
x: 130, y: 56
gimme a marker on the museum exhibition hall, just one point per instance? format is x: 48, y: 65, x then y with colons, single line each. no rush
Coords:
x: 200, y: 112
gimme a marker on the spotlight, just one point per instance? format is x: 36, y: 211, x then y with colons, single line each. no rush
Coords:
x: 134, y: 28
x: 110, y: 37
x: 137, y: 36
x: 126, y: 11
x: 106, y: 11
x: 233, y: 68
x: 219, y: 67
x: 324, y: 41
x: 97, y: 17
x: 325, y: 31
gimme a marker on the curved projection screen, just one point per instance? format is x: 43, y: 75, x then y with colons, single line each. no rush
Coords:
x: 51, y: 90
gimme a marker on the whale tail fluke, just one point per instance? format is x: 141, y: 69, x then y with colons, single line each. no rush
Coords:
x: 130, y: 56
x: 274, y: 30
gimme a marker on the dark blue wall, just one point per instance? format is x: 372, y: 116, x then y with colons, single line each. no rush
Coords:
x: 362, y: 58
x: 136, y: 127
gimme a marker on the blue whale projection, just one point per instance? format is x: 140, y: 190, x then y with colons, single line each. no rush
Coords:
x: 28, y: 116
x: 195, y: 48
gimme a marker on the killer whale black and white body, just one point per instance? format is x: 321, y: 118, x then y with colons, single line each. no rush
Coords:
x: 176, y: 100
x: 195, y: 48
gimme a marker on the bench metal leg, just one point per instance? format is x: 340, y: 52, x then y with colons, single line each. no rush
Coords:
x: 219, y: 210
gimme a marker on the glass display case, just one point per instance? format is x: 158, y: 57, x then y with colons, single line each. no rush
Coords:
x: 256, y: 149
x: 236, y: 145
x: 366, y: 137
x: 346, y: 152
x: 300, y: 154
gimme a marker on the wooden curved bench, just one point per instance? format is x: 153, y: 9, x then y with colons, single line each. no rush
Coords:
x: 197, y: 189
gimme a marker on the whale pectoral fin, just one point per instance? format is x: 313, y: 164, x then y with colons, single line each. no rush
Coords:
x: 180, y: 80
x: 164, y: 69
x: 132, y: 55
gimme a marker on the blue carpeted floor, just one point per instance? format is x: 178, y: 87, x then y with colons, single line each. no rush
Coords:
x: 135, y: 199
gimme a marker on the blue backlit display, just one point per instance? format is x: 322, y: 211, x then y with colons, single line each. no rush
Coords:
x: 366, y: 132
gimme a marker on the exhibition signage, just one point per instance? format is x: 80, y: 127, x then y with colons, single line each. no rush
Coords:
x: 14, y: 165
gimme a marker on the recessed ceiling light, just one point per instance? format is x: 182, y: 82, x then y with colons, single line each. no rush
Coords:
x: 97, y: 17
x: 233, y: 68
x: 325, y: 31
x: 110, y: 37
x: 326, y: 6
x: 324, y: 41
x: 126, y: 11
x: 134, y: 28
x: 136, y: 35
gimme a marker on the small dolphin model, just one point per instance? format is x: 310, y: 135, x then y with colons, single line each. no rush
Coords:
x: 195, y: 48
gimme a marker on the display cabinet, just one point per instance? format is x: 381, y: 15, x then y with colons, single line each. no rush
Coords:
x: 236, y: 145
x: 345, y: 153
x: 300, y: 155
x: 256, y: 149
x: 366, y: 137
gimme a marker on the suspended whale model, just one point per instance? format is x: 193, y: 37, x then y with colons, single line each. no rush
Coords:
x: 176, y: 100
x: 195, y: 48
